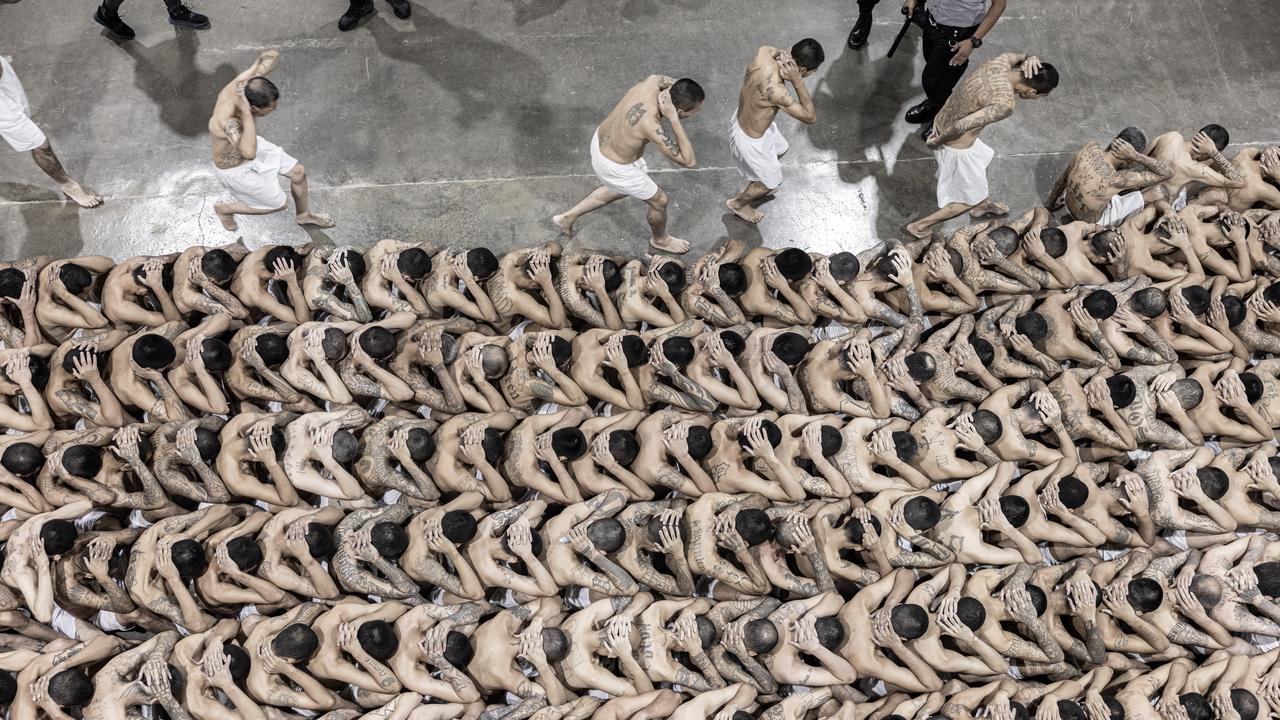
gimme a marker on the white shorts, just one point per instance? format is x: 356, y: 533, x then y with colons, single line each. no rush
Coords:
x: 109, y: 621
x: 16, y: 126
x: 758, y: 158
x: 1120, y: 207
x: 630, y: 179
x: 962, y: 173
x: 1180, y: 201
x: 255, y: 183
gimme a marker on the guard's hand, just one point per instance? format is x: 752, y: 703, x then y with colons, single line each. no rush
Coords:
x: 961, y: 51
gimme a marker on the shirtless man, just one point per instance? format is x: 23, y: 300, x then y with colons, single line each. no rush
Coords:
x: 395, y: 269
x: 257, y: 355
x: 167, y: 558
x: 987, y: 96
x: 587, y: 283
x: 539, y: 642
x: 137, y: 373
x: 717, y: 520
x: 592, y: 638
x: 67, y: 288
x: 524, y: 287
x: 456, y: 283
x: 369, y: 541
x: 754, y: 138
x: 1260, y: 168
x: 331, y: 283
x: 1104, y: 186
x: 252, y: 283
x: 134, y: 292
x: 1198, y: 160
x: 246, y: 164
x: 393, y: 453
x: 278, y: 647
x: 199, y: 276
x: 617, y: 150
x: 215, y: 671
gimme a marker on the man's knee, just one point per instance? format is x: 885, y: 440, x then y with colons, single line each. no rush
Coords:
x: 298, y: 173
x: 659, y: 201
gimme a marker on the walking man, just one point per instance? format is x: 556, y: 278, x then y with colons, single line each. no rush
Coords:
x: 246, y: 164
x: 617, y: 152
x: 754, y: 139
x: 108, y: 16
x: 988, y: 96
x: 23, y: 135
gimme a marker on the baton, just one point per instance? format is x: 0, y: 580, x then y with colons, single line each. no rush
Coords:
x: 906, y: 25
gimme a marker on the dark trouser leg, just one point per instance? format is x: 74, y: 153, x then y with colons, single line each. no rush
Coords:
x: 940, y: 77
x: 862, y: 28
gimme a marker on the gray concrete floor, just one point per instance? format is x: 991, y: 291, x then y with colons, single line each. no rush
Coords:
x: 469, y: 123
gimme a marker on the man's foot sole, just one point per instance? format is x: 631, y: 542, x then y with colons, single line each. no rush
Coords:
x: 745, y: 212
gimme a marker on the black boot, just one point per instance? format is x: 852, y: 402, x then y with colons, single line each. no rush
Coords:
x: 921, y: 113
x: 861, y: 31
x: 400, y: 8
x: 110, y: 20
x: 358, y: 9
x: 183, y: 16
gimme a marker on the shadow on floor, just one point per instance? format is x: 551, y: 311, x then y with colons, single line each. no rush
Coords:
x: 169, y: 74
x: 529, y: 10
x: 52, y: 222
x: 490, y: 81
x: 859, y: 101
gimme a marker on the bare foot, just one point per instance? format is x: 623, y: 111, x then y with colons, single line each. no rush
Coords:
x: 566, y: 228
x: 746, y: 212
x: 986, y: 209
x: 916, y: 231
x: 228, y: 219
x: 670, y: 244
x: 317, y: 219
x: 80, y: 196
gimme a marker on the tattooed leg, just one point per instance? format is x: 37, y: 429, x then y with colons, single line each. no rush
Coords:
x: 49, y: 163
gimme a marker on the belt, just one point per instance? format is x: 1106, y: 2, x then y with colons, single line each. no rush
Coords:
x: 927, y: 21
